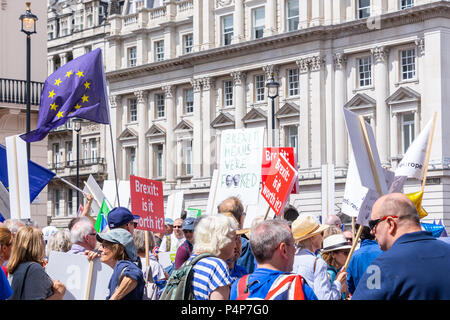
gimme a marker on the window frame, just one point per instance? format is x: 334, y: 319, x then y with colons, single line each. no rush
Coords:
x: 187, y: 155
x: 160, y: 102
x: 132, y: 56
x: 406, y: 4
x: 410, y: 124
x: 132, y: 110
x: 360, y: 10
x: 159, y: 50
x: 188, y: 104
x: 288, y: 18
x: 260, y: 91
x: 290, y: 82
x: 359, y: 72
x: 159, y: 160
x: 188, y: 39
x: 401, y: 65
x: 259, y: 28
x: 227, y: 34
x: 228, y: 95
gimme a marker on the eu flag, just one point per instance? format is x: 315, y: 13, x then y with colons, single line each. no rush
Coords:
x: 77, y: 89
x: 38, y: 176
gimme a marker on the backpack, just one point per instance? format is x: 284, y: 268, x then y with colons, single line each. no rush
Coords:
x: 179, y: 285
x: 150, y: 289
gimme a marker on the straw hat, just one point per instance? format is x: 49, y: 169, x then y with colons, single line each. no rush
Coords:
x: 305, y: 227
x: 335, y: 242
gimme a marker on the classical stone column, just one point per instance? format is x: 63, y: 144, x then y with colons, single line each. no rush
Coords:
x: 179, y: 157
x: 170, y: 138
x: 316, y: 12
x: 208, y: 108
x: 197, y: 145
x: 394, y: 135
x: 270, y: 18
x: 141, y: 49
x: 416, y: 123
x: 238, y: 21
x: 197, y: 24
x: 142, y: 151
x: 304, y: 7
x: 208, y: 24
x: 381, y: 55
x: 239, y: 102
x: 340, y: 98
x: 63, y: 57
x: 50, y: 65
x: 304, y: 127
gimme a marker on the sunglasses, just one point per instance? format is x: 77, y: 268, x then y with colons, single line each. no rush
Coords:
x: 177, y: 227
x: 374, y: 223
x: 187, y: 231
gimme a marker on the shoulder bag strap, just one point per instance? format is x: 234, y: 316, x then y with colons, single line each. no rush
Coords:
x: 242, y: 288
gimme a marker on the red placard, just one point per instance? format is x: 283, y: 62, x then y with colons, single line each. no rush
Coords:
x: 278, y: 184
x: 147, y: 201
x: 270, y: 153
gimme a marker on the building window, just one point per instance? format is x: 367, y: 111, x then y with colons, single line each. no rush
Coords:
x: 159, y: 50
x: 50, y: 32
x: 292, y: 15
x: 132, y: 57
x: 227, y: 30
x: 363, y: 9
x: 56, y: 202
x: 365, y: 72
x: 188, y: 42
x: 90, y: 17
x: 259, y: 88
x: 69, y: 152
x: 132, y: 161
x: 407, y: 130
x: 159, y: 105
x: 188, y: 158
x: 132, y: 111
x: 159, y: 160
x: 69, y: 202
x: 56, y: 155
x: 292, y: 82
x: 64, y: 28
x: 258, y: 23
x: 408, y: 64
x: 405, y: 4
x: 292, y: 137
x: 94, y: 150
x: 85, y: 151
x: 189, y: 100
x: 87, y: 49
x: 228, y: 93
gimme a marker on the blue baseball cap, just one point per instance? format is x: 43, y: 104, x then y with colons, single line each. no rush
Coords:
x: 188, y: 224
x: 122, y: 237
x: 120, y: 216
x: 168, y: 221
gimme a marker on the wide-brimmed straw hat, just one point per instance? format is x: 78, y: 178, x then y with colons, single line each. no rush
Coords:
x: 335, y: 242
x: 305, y: 227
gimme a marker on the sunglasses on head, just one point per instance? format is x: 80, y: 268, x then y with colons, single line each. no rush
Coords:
x: 374, y: 223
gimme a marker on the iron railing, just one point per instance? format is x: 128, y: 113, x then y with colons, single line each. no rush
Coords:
x: 14, y: 91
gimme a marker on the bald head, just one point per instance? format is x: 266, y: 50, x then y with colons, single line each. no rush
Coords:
x: 233, y: 205
x: 333, y: 220
x: 396, y: 204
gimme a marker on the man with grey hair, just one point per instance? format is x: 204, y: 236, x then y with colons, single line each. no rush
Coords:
x: 333, y: 220
x: 82, y: 236
x: 273, y: 246
x: 414, y: 264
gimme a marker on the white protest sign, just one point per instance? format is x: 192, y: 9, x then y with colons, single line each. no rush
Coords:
x: 211, y: 209
x: 327, y: 190
x: 93, y: 188
x: 19, y: 187
x: 124, y: 194
x: 73, y: 270
x: 254, y: 211
x: 110, y: 192
x: 240, y: 165
x: 361, y: 154
x: 4, y: 202
x: 413, y: 162
x: 174, y: 205
x: 166, y: 258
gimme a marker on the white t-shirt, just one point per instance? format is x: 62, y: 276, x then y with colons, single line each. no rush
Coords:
x: 174, y: 243
x: 157, y: 269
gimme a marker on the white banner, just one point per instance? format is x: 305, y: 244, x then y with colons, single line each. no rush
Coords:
x: 327, y: 190
x: 240, y: 165
x: 73, y: 271
x: 412, y: 164
x: 19, y: 187
x: 174, y: 205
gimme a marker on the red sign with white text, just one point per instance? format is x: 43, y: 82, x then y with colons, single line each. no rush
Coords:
x: 278, y: 184
x: 270, y: 153
x: 147, y: 201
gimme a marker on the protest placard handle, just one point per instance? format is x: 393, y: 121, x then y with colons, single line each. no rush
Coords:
x: 88, y: 289
x: 147, y: 248
x: 427, y: 157
x: 358, y: 234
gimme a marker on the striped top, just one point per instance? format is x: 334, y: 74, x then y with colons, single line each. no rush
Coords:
x: 209, y: 274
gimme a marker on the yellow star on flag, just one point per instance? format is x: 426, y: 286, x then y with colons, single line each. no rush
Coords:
x: 60, y: 114
x: 58, y: 81
x: 416, y: 198
x: 69, y: 73
x: 87, y: 85
x: 51, y: 94
x: 85, y: 98
x: 53, y: 106
x: 77, y: 106
x: 80, y: 74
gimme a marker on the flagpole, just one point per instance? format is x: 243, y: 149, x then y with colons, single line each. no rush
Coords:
x: 427, y: 157
x: 68, y: 183
x: 114, y: 164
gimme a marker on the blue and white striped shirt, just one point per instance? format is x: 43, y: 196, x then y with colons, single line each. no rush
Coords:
x: 209, y: 274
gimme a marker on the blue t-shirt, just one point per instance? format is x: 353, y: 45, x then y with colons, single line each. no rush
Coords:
x: 210, y: 273
x: 5, y: 288
x: 132, y: 271
x: 237, y: 272
x: 261, y: 281
x: 246, y: 259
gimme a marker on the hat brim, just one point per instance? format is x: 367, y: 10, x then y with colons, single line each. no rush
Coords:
x: 347, y: 246
x: 321, y: 229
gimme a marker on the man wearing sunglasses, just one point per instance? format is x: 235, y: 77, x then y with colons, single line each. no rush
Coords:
x: 414, y: 264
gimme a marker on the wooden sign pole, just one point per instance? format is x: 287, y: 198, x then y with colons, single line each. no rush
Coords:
x: 427, y: 157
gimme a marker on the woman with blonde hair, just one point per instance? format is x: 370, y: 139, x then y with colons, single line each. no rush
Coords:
x: 60, y: 241
x: 5, y: 251
x: 29, y: 279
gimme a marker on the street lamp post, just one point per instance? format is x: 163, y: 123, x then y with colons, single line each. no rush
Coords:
x: 28, y: 26
x: 77, y: 127
x: 272, y: 93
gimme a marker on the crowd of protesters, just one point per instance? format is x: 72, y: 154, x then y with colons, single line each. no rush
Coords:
x: 291, y: 257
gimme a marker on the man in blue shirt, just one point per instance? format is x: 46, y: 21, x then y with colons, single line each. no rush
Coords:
x: 273, y: 245
x: 414, y: 264
x: 362, y: 258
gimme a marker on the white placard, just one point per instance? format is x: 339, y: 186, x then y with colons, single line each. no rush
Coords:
x: 254, y: 211
x: 19, y: 187
x: 110, y: 192
x: 174, y: 205
x: 166, y: 258
x: 73, y: 270
x: 124, y: 194
x: 361, y: 153
x: 327, y: 190
x: 240, y: 165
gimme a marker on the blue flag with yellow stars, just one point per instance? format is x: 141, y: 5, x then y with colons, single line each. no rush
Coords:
x: 76, y: 89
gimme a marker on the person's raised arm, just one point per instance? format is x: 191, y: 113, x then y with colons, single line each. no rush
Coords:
x: 87, y: 207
